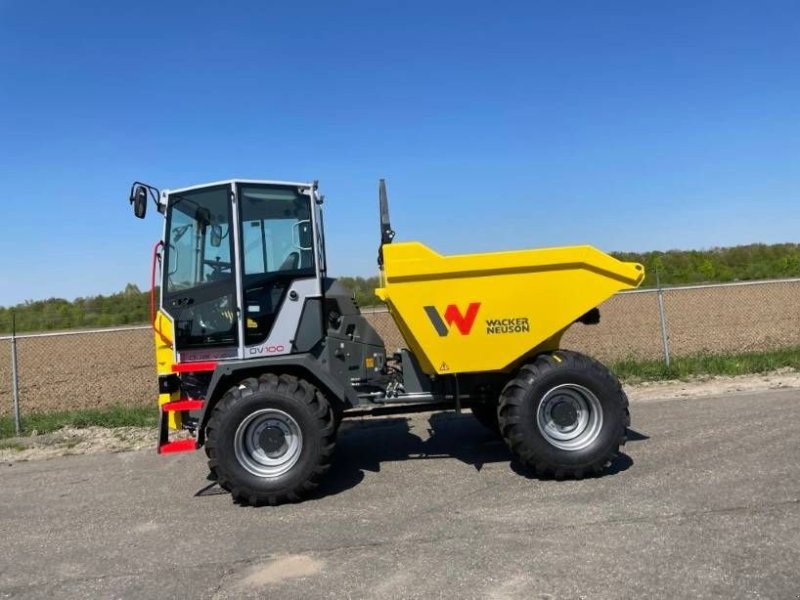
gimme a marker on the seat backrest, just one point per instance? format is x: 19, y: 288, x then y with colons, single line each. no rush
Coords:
x: 306, y: 259
x: 291, y: 262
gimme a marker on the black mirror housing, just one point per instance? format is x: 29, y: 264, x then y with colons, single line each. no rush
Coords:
x: 216, y: 236
x: 139, y: 201
x: 306, y: 237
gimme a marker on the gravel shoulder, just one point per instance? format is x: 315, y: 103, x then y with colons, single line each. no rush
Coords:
x: 94, y: 440
x: 701, y: 387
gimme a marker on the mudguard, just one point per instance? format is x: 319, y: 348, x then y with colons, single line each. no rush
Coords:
x: 304, y: 365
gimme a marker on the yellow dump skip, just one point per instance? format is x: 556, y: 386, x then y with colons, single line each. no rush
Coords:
x: 483, y: 312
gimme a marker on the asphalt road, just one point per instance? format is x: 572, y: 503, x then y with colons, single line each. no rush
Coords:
x: 704, y: 503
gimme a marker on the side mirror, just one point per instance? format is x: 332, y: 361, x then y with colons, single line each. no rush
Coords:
x: 216, y: 236
x: 302, y: 236
x: 139, y: 200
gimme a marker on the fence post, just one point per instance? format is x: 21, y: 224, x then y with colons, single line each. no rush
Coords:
x: 15, y: 374
x: 663, y: 316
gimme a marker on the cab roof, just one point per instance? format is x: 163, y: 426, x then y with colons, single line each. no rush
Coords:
x: 230, y: 181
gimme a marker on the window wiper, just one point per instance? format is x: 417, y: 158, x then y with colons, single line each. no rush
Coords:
x: 179, y: 231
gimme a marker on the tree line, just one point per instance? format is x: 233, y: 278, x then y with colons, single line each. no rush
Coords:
x: 718, y: 265
x: 675, y: 267
x: 128, y: 307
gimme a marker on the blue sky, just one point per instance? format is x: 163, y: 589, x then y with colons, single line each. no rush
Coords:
x: 626, y: 125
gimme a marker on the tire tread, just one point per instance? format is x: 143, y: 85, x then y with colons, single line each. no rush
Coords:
x: 515, y: 393
x: 299, y: 390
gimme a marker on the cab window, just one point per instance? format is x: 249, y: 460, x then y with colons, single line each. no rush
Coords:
x: 277, y: 248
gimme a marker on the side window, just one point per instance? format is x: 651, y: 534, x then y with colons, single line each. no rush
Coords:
x: 182, y: 263
x: 276, y: 230
x: 278, y: 246
x: 254, y: 247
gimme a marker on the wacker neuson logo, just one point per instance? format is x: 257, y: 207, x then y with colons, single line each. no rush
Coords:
x: 464, y: 321
x: 453, y: 316
x: 513, y: 325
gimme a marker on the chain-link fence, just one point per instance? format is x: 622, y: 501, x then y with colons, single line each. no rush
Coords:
x: 78, y: 370
x: 105, y: 367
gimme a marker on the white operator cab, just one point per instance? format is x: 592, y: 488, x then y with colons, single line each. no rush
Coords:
x: 273, y: 231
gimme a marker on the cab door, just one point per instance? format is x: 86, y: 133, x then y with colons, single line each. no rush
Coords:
x: 199, y: 279
x: 278, y: 257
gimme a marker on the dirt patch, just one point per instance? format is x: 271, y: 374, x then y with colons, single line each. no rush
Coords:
x: 99, y: 439
x: 81, y: 371
x: 67, y: 441
x: 717, y: 385
x: 278, y: 570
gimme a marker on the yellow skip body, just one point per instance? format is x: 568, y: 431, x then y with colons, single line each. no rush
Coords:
x: 485, y: 312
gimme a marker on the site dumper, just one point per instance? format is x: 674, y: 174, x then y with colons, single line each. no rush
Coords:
x: 260, y: 355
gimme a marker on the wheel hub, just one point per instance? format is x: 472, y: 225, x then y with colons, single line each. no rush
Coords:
x: 273, y: 441
x: 569, y: 417
x: 268, y: 443
x: 564, y: 414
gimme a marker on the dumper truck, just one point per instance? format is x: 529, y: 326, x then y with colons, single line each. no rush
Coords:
x: 260, y: 354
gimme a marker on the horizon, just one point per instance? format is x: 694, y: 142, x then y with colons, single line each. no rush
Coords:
x: 524, y: 125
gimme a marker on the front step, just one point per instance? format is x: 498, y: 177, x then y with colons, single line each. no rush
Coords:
x: 187, y: 445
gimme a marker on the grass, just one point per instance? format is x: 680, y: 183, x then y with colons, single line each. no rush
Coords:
x: 684, y: 367
x: 630, y: 371
x: 116, y: 416
x: 12, y: 445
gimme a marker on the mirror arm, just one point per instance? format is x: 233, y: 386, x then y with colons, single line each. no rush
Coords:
x: 155, y: 194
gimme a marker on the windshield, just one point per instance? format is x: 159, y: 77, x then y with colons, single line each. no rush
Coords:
x: 199, y: 244
x: 199, y: 282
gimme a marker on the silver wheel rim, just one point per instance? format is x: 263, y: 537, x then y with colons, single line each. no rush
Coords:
x: 570, y: 417
x: 268, y: 443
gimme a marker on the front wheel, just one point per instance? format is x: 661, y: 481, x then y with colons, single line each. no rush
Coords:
x: 270, y: 440
x: 564, y: 414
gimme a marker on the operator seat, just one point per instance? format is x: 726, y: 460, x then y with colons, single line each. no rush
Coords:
x: 306, y: 259
x: 291, y: 262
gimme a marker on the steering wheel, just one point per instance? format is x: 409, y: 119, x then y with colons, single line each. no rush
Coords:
x: 218, y: 266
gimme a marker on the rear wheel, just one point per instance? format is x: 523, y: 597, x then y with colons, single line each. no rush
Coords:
x: 564, y: 414
x: 270, y: 440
